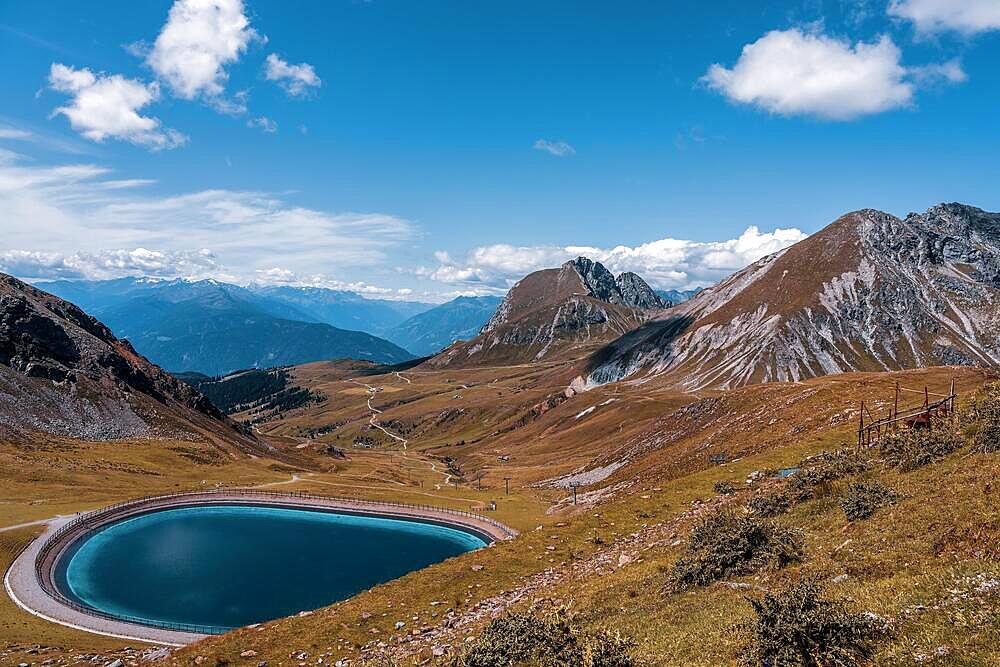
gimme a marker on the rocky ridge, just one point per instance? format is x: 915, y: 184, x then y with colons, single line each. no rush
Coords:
x: 64, y: 372
x: 552, y: 311
x: 870, y: 292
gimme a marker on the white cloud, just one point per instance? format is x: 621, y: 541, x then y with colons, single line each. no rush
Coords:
x: 88, y: 221
x: 198, y: 40
x: 107, y: 106
x: 665, y: 263
x: 263, y: 123
x: 231, y: 106
x: 797, y: 72
x: 282, y: 276
x: 14, y: 133
x: 965, y: 16
x: 949, y: 72
x: 105, y: 264
x: 557, y: 148
x: 295, y: 79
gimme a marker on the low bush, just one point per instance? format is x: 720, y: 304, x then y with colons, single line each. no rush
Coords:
x: 838, y: 463
x: 863, y: 499
x: 981, y: 420
x: 799, y: 627
x: 608, y: 648
x: 551, y: 641
x: 913, y: 448
x: 816, y: 474
x: 768, y: 505
x: 724, y: 487
x: 726, y: 544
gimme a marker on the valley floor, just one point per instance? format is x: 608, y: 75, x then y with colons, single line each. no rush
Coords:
x: 927, y: 565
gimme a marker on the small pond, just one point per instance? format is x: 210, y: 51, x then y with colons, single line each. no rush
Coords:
x: 214, y: 568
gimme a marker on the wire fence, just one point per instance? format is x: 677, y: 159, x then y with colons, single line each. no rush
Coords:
x: 45, y: 570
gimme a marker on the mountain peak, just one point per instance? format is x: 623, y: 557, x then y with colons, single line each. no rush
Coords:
x: 637, y: 293
x: 869, y: 292
x: 558, y: 311
x: 628, y: 289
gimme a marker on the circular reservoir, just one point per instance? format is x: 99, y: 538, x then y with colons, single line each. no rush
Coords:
x: 214, y: 568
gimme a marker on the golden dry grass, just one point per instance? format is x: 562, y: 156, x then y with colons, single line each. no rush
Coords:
x: 912, y: 553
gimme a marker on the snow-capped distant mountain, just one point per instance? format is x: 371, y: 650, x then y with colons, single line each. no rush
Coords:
x: 869, y: 292
x: 214, y: 327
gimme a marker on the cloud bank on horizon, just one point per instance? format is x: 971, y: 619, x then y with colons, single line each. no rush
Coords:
x: 78, y: 221
x: 61, y: 228
x: 665, y: 263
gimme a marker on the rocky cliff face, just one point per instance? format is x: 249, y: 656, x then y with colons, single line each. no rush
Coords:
x: 556, y: 311
x: 637, y: 293
x: 63, y: 372
x: 869, y: 292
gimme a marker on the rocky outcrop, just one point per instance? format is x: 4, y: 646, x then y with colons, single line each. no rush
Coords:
x: 628, y: 289
x: 599, y: 281
x: 870, y: 292
x: 637, y: 293
x: 32, y: 344
x: 63, y: 372
x: 554, y: 311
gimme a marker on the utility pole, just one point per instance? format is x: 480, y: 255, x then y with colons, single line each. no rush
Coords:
x: 506, y: 485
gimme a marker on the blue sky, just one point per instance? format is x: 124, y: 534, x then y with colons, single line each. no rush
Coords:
x: 425, y: 149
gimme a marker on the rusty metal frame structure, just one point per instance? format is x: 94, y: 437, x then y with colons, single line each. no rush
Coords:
x: 922, y: 416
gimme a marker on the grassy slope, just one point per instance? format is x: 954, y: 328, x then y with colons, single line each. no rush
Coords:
x: 654, y: 496
x: 20, y: 631
x: 911, y: 554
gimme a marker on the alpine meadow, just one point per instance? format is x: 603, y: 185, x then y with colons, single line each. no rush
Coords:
x: 534, y: 334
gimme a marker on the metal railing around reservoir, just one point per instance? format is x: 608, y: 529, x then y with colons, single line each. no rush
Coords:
x: 44, y: 571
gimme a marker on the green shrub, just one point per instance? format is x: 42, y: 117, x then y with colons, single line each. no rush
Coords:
x: 724, y: 487
x: 726, y: 544
x: 816, y: 474
x: 912, y: 448
x: 863, y: 499
x: 524, y: 639
x: 798, y: 627
x: 981, y: 420
x: 607, y: 648
x: 839, y: 463
x: 768, y: 505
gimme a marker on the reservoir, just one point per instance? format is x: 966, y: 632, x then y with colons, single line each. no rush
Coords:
x: 212, y: 568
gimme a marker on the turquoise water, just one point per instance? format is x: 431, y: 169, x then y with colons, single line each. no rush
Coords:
x: 228, y: 566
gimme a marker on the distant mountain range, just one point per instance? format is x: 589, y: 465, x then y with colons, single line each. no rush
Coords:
x: 557, y: 312
x: 63, y: 372
x: 673, y: 297
x: 215, y: 328
x: 870, y: 292
x: 433, y: 330
x: 345, y: 310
